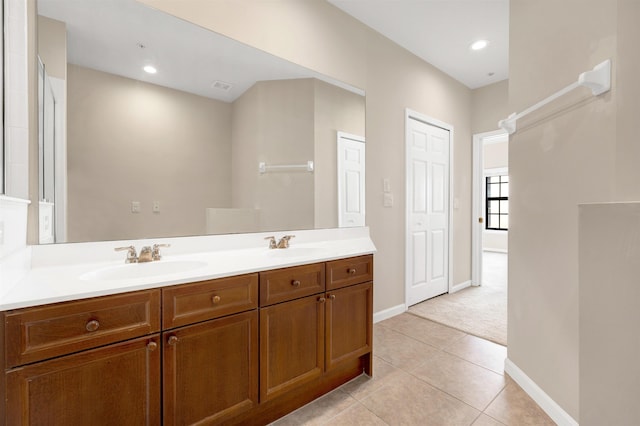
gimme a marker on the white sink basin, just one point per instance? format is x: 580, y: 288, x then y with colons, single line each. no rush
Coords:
x: 143, y: 270
x: 293, y: 251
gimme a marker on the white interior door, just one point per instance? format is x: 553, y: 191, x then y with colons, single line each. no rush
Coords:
x: 351, y: 180
x: 427, y: 256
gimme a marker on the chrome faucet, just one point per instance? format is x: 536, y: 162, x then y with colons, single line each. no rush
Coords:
x: 284, y: 242
x: 272, y: 242
x: 132, y: 256
x: 145, y: 255
x: 155, y: 252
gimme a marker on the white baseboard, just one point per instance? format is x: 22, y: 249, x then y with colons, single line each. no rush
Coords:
x: 389, y: 312
x: 461, y: 286
x: 553, y: 410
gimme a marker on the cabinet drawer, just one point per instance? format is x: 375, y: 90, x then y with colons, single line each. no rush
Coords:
x: 346, y: 272
x: 34, y: 334
x: 190, y: 303
x: 291, y: 283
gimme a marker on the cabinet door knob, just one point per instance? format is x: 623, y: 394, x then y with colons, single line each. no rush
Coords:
x: 321, y: 299
x: 215, y: 299
x: 351, y: 271
x: 172, y: 340
x: 92, y: 325
x: 295, y: 283
x: 332, y: 296
x: 152, y: 346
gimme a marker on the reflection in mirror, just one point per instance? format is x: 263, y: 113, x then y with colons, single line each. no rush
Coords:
x: 177, y: 151
x: 2, y: 117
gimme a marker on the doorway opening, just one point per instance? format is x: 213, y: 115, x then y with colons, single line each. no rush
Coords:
x: 481, y: 308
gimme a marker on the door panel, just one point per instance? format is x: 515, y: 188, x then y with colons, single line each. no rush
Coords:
x: 351, y: 180
x: 428, y: 210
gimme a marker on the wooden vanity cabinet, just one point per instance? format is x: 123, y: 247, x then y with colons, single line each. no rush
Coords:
x: 349, y: 329
x: 301, y: 338
x: 63, y: 367
x: 210, y: 368
x: 240, y: 350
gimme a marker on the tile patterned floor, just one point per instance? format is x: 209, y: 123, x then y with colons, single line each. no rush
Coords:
x: 426, y: 374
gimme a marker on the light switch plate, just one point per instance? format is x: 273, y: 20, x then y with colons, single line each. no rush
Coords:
x: 156, y: 206
x: 388, y: 200
x: 135, y: 207
x: 386, y: 185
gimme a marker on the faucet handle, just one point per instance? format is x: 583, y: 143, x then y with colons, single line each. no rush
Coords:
x: 272, y: 242
x: 284, y: 241
x: 132, y: 256
x: 155, y: 253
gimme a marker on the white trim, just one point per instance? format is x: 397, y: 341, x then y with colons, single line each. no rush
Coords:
x: 496, y: 171
x: 477, y: 191
x: 495, y: 250
x: 409, y: 114
x: 389, y: 312
x: 13, y: 200
x: 553, y: 410
x: 460, y: 286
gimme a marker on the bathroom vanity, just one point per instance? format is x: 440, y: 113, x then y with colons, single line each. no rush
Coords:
x: 243, y: 348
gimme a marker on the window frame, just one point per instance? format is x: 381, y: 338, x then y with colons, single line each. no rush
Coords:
x: 500, y: 173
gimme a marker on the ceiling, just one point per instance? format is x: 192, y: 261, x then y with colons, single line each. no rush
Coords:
x: 441, y: 32
x: 121, y: 36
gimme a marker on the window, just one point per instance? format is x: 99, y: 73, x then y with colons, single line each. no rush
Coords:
x: 497, y: 202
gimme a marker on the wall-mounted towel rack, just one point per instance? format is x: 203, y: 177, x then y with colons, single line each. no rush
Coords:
x: 598, y: 80
x: 264, y: 168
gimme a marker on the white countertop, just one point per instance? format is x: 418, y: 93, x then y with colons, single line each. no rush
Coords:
x: 55, y: 276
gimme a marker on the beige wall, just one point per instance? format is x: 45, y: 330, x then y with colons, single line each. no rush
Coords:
x: 489, y: 104
x: 335, y: 110
x: 273, y: 123
x: 319, y: 36
x: 130, y: 141
x: 52, y: 46
x: 579, y: 149
x: 609, y: 314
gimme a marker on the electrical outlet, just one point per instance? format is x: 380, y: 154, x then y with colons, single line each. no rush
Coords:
x: 388, y: 200
x: 135, y: 207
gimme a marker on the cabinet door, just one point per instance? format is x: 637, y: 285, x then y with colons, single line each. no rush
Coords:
x: 291, y: 345
x: 211, y: 370
x: 113, y: 385
x: 349, y: 323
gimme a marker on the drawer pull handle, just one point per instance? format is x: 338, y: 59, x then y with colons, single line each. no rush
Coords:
x: 172, y: 340
x: 332, y: 296
x: 351, y: 271
x: 215, y: 299
x: 295, y: 283
x: 152, y: 346
x: 321, y: 299
x: 92, y: 325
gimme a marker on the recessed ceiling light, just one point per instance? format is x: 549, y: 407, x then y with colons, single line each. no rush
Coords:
x: 479, y: 45
x: 150, y: 69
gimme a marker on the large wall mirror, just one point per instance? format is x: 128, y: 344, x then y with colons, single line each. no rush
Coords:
x: 154, y: 127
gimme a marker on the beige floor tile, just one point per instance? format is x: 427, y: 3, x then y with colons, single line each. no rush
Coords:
x: 399, y: 350
x: 424, y: 330
x: 414, y: 402
x: 319, y: 411
x: 356, y: 415
x: 514, y: 407
x: 384, y: 374
x: 468, y: 382
x: 485, y: 420
x: 479, y: 351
